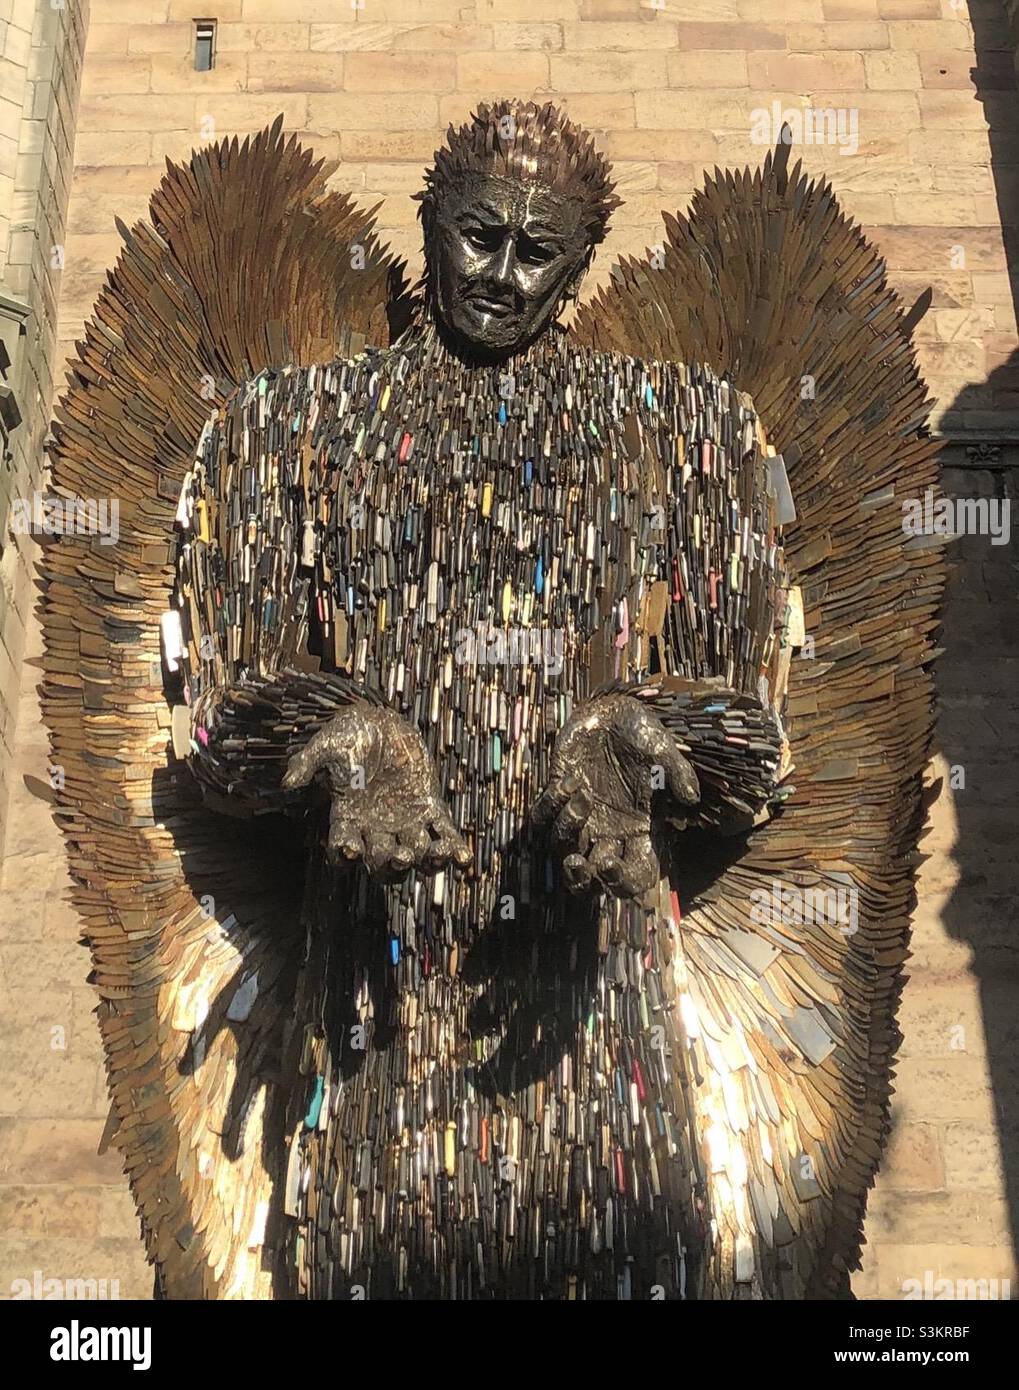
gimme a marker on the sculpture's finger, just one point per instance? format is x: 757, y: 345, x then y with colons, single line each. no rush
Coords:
x: 345, y: 842
x: 570, y: 783
x: 640, y: 868
x: 680, y: 777
x: 402, y: 858
x: 381, y: 847
x: 570, y: 820
x: 332, y: 744
x: 417, y: 840
x: 553, y: 799
x: 605, y: 860
x: 577, y: 873
x: 613, y: 878
x: 304, y: 764
x: 447, y: 846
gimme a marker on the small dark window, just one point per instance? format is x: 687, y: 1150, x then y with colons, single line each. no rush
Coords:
x: 205, y: 44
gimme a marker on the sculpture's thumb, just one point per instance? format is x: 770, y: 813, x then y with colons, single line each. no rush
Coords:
x: 304, y: 764
x: 680, y: 777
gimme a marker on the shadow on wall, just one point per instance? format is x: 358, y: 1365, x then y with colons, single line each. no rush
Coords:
x: 993, y: 404
x: 978, y: 728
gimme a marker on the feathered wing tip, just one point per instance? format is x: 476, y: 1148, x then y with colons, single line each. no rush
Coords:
x: 247, y: 261
x: 767, y: 281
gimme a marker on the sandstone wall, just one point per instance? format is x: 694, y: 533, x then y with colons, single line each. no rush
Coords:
x: 41, y: 52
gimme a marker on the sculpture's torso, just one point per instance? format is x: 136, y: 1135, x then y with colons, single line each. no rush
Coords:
x: 487, y: 1084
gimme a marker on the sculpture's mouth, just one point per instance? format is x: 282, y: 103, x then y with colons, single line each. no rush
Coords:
x: 489, y: 306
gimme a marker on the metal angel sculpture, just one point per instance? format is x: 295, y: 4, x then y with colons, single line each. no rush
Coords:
x: 493, y: 750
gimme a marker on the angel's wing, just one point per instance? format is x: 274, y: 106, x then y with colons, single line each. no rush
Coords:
x: 247, y: 262
x: 792, y: 957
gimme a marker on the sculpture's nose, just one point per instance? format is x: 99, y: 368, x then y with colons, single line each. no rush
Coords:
x: 505, y: 263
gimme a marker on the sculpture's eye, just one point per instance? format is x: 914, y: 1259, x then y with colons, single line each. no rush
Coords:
x: 531, y: 252
x: 484, y: 237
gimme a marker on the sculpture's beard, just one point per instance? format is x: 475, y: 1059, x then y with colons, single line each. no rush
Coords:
x: 489, y: 322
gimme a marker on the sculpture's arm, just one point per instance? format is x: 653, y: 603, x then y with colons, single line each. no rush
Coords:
x: 662, y: 749
x: 245, y: 731
x: 261, y: 729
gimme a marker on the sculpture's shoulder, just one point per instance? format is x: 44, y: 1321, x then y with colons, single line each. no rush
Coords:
x: 643, y: 378
x: 321, y: 378
x: 657, y: 387
x: 630, y: 366
x: 300, y: 392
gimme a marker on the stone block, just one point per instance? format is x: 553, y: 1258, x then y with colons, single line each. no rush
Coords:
x: 845, y: 36
x: 925, y: 34
x: 618, y: 37
x: 806, y: 72
x: 912, y: 1159
x: 716, y: 67
x: 49, y: 1211
x: 500, y: 73
x: 400, y: 72
x: 34, y: 1151
x: 892, y: 71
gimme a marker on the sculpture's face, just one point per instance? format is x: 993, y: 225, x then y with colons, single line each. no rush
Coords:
x: 504, y: 255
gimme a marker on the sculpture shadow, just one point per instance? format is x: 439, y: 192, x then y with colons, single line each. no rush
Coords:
x: 977, y: 736
x: 992, y: 403
x: 978, y: 695
x: 254, y: 872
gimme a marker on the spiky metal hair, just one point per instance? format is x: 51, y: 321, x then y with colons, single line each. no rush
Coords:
x: 521, y: 140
